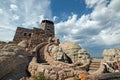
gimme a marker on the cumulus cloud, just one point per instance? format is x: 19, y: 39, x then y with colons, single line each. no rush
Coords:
x: 54, y: 18
x: 6, y: 34
x: 98, y: 30
x: 1, y: 11
x: 91, y: 3
x: 13, y: 7
x: 15, y: 17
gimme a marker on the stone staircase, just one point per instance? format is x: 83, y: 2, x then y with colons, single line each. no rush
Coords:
x: 95, y: 64
x: 40, y: 57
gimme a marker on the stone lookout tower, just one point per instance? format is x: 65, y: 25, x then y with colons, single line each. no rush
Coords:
x: 36, y: 36
x: 48, y: 27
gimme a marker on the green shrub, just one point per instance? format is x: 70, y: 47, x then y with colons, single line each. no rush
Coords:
x: 116, y: 79
x: 41, y: 77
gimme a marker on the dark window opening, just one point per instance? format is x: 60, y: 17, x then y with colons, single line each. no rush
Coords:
x: 29, y: 35
x: 25, y: 34
x: 50, y: 35
x: 52, y: 41
x: 48, y: 27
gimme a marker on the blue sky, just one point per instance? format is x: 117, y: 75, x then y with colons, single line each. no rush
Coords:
x: 64, y: 8
x: 94, y: 24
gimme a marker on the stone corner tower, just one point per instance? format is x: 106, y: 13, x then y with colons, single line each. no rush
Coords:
x: 48, y: 27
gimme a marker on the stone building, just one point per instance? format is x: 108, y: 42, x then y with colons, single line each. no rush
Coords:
x: 36, y: 36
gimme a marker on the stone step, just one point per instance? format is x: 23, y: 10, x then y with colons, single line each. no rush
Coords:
x: 41, y: 58
x: 96, y: 61
x: 93, y: 67
x: 91, y: 71
x: 96, y: 66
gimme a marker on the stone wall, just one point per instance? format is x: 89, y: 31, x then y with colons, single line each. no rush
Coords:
x: 36, y: 36
x: 22, y: 34
x: 111, y: 55
x: 52, y: 73
x: 52, y: 68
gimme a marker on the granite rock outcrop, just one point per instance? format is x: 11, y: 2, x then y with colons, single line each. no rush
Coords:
x: 13, y: 62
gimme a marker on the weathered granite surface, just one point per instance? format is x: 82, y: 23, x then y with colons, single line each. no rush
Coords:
x: 13, y: 62
x: 56, y: 62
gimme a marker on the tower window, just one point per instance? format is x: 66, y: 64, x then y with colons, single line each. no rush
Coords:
x: 25, y: 34
x: 29, y: 35
x: 48, y: 27
x: 50, y: 35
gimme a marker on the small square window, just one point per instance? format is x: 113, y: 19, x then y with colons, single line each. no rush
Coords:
x: 48, y: 27
x: 25, y: 34
x: 29, y: 35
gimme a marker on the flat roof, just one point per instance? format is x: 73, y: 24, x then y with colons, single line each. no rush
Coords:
x: 48, y: 21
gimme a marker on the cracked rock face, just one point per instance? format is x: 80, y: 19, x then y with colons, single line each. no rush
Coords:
x: 13, y: 62
x: 58, y: 64
x: 69, y: 51
x: 75, y: 52
x: 111, y: 58
x: 111, y: 55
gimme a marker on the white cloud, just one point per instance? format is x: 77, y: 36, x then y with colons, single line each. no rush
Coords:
x: 25, y: 13
x: 91, y: 3
x: 1, y: 11
x: 13, y: 7
x: 41, y: 17
x: 54, y: 18
x: 15, y: 17
x: 99, y: 28
x: 41, y: 7
x: 115, y: 5
x: 13, y: 1
x: 6, y: 34
x: 110, y: 36
x: 109, y: 19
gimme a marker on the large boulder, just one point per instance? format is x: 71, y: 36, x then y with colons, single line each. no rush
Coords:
x: 75, y: 52
x: 69, y: 52
x: 71, y: 49
x: 57, y: 62
x: 13, y: 62
x: 111, y: 59
x: 2, y: 44
x: 111, y: 54
x: 83, y: 56
x: 23, y: 43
